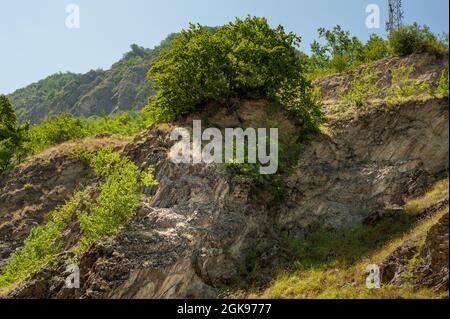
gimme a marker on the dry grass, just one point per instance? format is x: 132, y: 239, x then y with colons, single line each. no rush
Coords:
x: 438, y: 193
x: 89, y: 143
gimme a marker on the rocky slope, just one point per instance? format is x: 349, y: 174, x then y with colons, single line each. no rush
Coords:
x: 195, y: 233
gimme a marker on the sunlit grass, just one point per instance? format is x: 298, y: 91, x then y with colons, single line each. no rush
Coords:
x: 332, y: 265
x: 438, y: 193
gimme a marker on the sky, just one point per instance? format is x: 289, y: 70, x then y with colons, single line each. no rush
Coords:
x: 35, y: 41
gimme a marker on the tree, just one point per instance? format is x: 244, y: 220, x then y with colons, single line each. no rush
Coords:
x: 12, y: 136
x: 339, y: 51
x: 8, y: 118
x: 413, y: 38
x: 376, y: 48
x: 242, y: 59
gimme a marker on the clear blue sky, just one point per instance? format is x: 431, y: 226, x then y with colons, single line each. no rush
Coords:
x: 36, y: 42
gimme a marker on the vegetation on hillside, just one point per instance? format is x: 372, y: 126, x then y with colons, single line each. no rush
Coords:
x: 413, y: 38
x: 243, y: 59
x: 120, y: 191
x: 338, y: 51
x: 332, y: 264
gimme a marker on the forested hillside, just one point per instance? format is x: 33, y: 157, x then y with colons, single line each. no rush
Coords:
x: 122, y: 88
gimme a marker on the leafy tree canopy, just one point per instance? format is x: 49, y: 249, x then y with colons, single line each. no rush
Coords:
x: 243, y: 59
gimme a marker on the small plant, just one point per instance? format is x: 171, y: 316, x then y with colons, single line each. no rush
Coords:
x: 442, y: 85
x: 118, y: 199
x: 404, y: 86
x: 28, y: 186
x: 362, y: 90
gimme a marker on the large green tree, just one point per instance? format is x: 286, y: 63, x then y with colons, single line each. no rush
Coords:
x: 242, y: 59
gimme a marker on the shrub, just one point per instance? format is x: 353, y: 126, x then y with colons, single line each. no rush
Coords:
x: 118, y: 199
x: 55, y: 130
x: 362, y: 89
x: 338, y: 53
x: 243, y: 59
x: 64, y: 127
x: 413, y: 38
x: 442, y: 85
x: 375, y: 49
x: 404, y: 86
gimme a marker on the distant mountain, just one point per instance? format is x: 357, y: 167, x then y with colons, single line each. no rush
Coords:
x: 124, y: 87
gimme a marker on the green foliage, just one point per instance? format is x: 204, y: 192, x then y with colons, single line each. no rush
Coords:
x: 413, y: 38
x: 64, y: 127
x: 244, y: 59
x: 347, y: 246
x: 41, y: 246
x: 12, y: 136
x: 442, y: 85
x: 123, y: 123
x: 57, y: 129
x: 340, y: 51
x: 404, y: 86
x: 375, y: 49
x: 8, y: 118
x: 362, y: 89
x: 118, y: 199
x: 290, y: 145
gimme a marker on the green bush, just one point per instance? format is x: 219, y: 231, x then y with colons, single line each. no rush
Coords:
x: 404, y: 86
x: 362, y: 90
x: 64, y: 127
x: 338, y: 52
x: 118, y: 199
x: 376, y: 48
x: 243, y: 59
x: 413, y: 38
x: 442, y: 85
x: 341, y: 52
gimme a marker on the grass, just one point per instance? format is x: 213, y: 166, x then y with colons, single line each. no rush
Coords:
x: 439, y: 192
x: 331, y: 265
x: 340, y: 280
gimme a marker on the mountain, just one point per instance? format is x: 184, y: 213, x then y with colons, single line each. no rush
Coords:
x: 124, y: 87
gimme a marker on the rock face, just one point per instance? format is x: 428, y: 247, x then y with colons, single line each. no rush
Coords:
x: 193, y: 234
x: 368, y: 165
x: 196, y: 231
x: 424, y: 260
